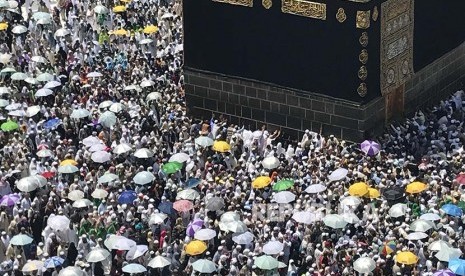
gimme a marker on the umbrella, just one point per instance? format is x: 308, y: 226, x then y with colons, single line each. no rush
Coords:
x: 32, y: 266
x: 19, y: 29
x: 448, y: 254
x: 100, y: 9
x: 97, y: 255
x: 460, y: 178
x: 351, y: 218
x: 3, y: 26
x: 134, y: 268
x: 101, y: 156
x: 457, y: 266
x: 452, y: 210
x: 18, y: 76
x: 167, y: 15
x: 108, y: 177
x: 266, y: 262
x: 261, y: 182
x: 338, y: 174
x: 121, y: 32
x: 136, y: 252
x: 180, y: 157
x: 193, y: 226
x: 97, y: 147
x: 58, y: 222
x: 159, y: 262
x: 127, y: 197
x: 183, y: 205
x: 71, y: 271
x: 75, y: 195
x: 315, y: 188
x: 122, y: 148
x: 52, y: 123
x: 99, y: 194
x: 283, y: 184
x: 204, y: 234
x: 388, y: 248
x: 9, y: 200
x: 14, y: 106
x: 131, y: 87
x: 44, y: 153
x: 334, y: 221
x: 32, y: 110
x: 27, y: 184
x: 195, y: 247
x: 143, y: 178
x: 370, y: 148
x: 68, y: 169
x: 398, y: 210
x: 41, y: 15
x: 416, y: 187
x: 90, y: 141
x: 364, y: 265
x: 94, y: 75
x: 351, y: 201
x: 444, y: 272
x: 39, y: 59
x: 118, y: 9
x: 193, y: 182
x: 107, y: 119
x: 44, y: 77
x: 115, y: 242
x: 233, y: 226
x: 372, y: 193
x: 273, y: 247
x: 188, y: 194
x: 284, y: 197
x: 305, y: 217
x: 421, y: 225
x: 147, y: 83
x: 415, y: 236
x: 393, y: 193
x: 166, y: 207
x: 153, y: 97
x: 17, y: 113
x: 143, y: 153
x: 243, y: 238
x: 8, y: 70
x: 150, y: 29
x: 142, y: 42
x: 117, y: 107
x: 204, y: 141
x: 68, y: 162
x: 31, y: 81
x: 9, y: 126
x: 53, y: 262
x: 105, y: 104
x: 171, y: 167
x: 407, y: 258
x: 270, y: 162
x: 157, y: 218
x: 439, y: 245
x: 204, y: 266
x: 221, y: 146
x: 358, y: 189
x: 214, y: 203
x: 82, y: 203
x: 4, y: 102
x: 80, y: 113
x: 21, y: 240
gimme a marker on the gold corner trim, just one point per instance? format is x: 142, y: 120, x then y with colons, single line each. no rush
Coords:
x: 304, y: 8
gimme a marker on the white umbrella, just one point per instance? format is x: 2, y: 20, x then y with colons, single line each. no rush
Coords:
x: 230, y: 216
x: 447, y: 254
x: 233, y: 226
x: 39, y: 59
x: 101, y: 156
x: 100, y: 9
x: 136, y: 252
x: 416, y: 236
x: 21, y: 239
x: 334, y: 221
x: 204, y: 141
x: 131, y: 87
x: 398, y: 210
x: 421, y: 225
x: 108, y: 177
x: 338, y: 174
x: 68, y: 169
x: 147, y: 83
x: 44, y: 153
x: 39, y: 179
x: 270, y: 162
x: 284, y: 197
x: 13, y: 106
x: 180, y: 157
x: 204, y: 266
x: 4, y: 90
x: 105, y: 104
x: 157, y: 218
x: 99, y: 193
x: 266, y: 262
x: 153, y: 96
x: 19, y: 29
x: 41, y: 15
x: 97, y: 147
x: 8, y: 70
x: 351, y: 201
x: 351, y: 218
x: 315, y: 188
x: 115, y: 242
x: 32, y: 265
x: 159, y: 262
x: 71, y: 271
x: 145, y: 41
x: 62, y: 32
x: 122, y: 148
x: 58, y: 222
x: 75, y: 195
x: 44, y: 92
x: 90, y: 141
x: 4, y: 102
x: 364, y: 265
x: 214, y: 203
x: 167, y: 15
x: 18, y: 76
x: 80, y: 113
x: 27, y: 184
x: 189, y: 194
x: 143, y: 178
x: 117, y: 107
x: 273, y: 247
x: 94, y: 75
x: 205, y: 234
x: 31, y: 80
x: 5, y: 58
x: 107, y: 119
x: 305, y: 217
x: 17, y: 113
x: 52, y: 84
x: 97, y: 255
x: 243, y: 238
x: 143, y: 153
x: 134, y: 268
x: 44, y: 77
x: 32, y: 110
x: 430, y: 216
x: 44, y: 21
x: 82, y: 203
x: 439, y: 245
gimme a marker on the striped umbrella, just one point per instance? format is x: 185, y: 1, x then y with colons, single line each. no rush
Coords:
x: 370, y: 147
x: 9, y: 200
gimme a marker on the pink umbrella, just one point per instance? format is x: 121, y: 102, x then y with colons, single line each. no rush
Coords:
x: 370, y: 147
x: 9, y: 200
x: 183, y: 205
x: 193, y: 227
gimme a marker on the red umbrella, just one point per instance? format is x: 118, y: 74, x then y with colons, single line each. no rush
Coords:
x: 42, y: 146
x: 48, y: 174
x: 460, y: 178
x: 183, y: 205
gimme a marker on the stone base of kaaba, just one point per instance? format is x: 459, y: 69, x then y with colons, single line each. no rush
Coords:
x: 253, y: 104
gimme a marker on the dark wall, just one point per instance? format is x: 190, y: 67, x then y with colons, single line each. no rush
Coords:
x: 439, y: 28
x: 319, y: 56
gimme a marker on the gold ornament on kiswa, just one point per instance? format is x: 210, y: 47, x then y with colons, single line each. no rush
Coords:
x: 363, y: 19
x: 363, y: 57
x: 341, y: 15
x: 363, y: 39
x: 267, y: 4
x: 362, y: 89
x: 363, y: 73
x: 375, y: 14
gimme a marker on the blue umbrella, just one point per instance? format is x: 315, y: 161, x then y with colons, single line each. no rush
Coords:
x: 127, y: 197
x: 166, y: 207
x: 53, y: 262
x: 457, y: 266
x: 193, y: 182
x: 52, y: 123
x: 452, y: 210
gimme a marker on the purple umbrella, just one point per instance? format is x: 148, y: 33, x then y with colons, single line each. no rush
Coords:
x: 193, y: 227
x: 444, y: 272
x: 9, y: 200
x: 370, y: 147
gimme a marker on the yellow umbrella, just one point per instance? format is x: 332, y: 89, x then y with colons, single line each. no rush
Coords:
x: 261, y: 182
x: 68, y: 162
x: 416, y: 187
x: 120, y: 32
x: 119, y: 9
x: 221, y: 146
x: 195, y: 248
x: 3, y: 26
x: 407, y: 258
x: 150, y: 29
x: 372, y: 193
x: 358, y: 189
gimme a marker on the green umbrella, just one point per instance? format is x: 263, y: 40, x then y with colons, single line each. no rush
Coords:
x: 461, y: 205
x: 171, y: 167
x: 9, y: 126
x: 283, y: 185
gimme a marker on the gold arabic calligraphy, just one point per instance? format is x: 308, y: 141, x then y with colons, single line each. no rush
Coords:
x: 304, y: 8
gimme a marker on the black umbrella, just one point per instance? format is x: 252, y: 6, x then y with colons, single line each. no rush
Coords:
x: 393, y: 193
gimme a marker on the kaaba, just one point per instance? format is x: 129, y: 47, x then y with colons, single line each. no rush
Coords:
x: 344, y: 67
